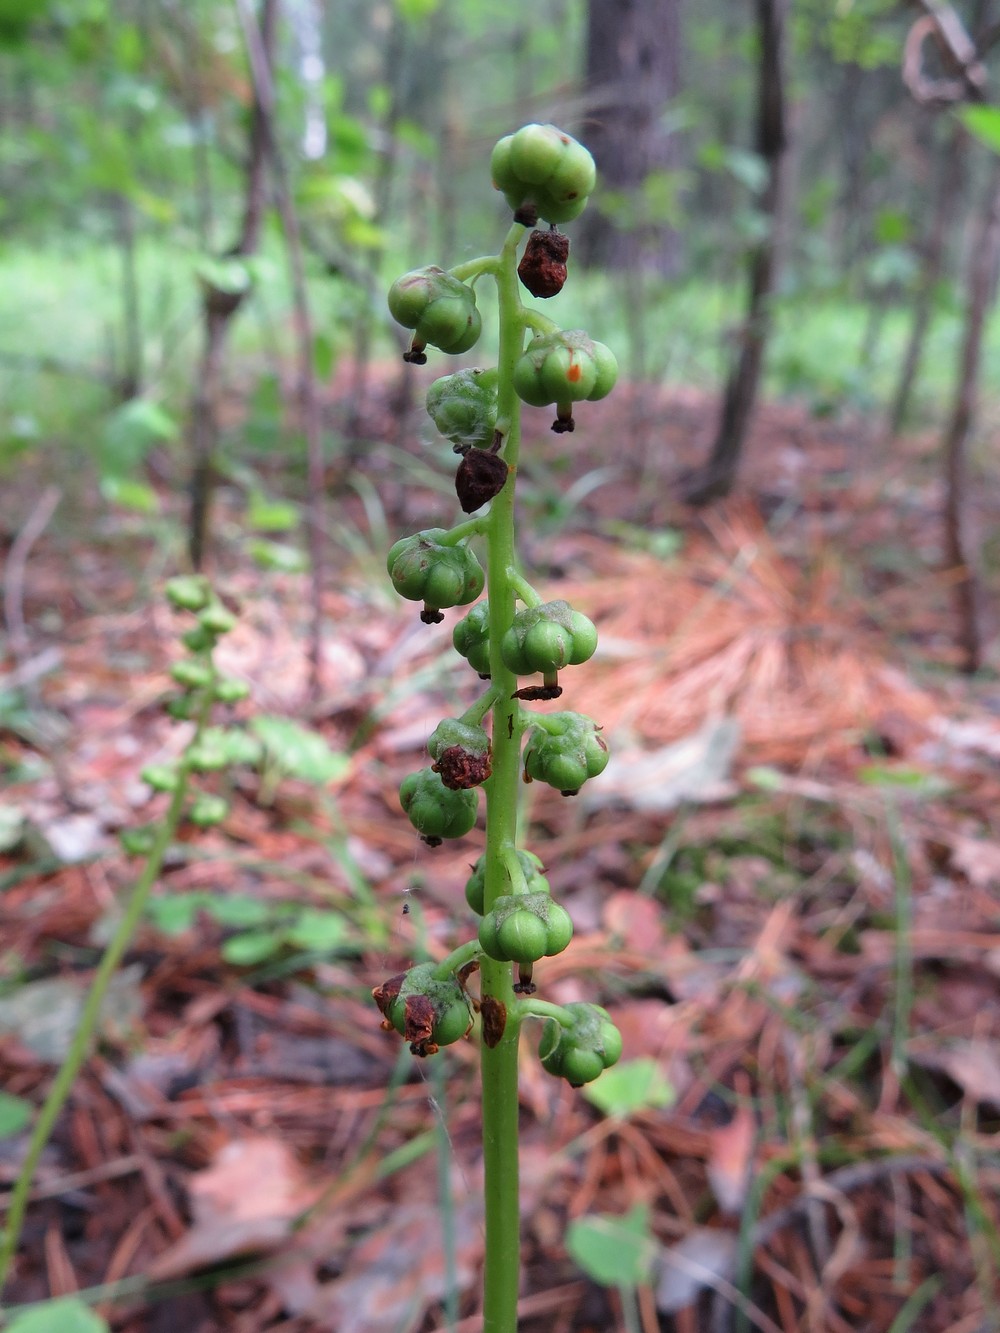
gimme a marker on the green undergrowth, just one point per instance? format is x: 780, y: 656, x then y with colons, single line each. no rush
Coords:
x: 61, y: 341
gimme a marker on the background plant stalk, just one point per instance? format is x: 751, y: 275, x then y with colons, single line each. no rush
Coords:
x: 499, y: 1065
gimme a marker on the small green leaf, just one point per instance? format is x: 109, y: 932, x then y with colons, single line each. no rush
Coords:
x: 413, y: 11
x: 15, y: 1114
x: 903, y: 778
x: 174, y: 913
x: 323, y: 356
x: 317, y: 929
x: 983, y: 122
x: 226, y: 275
x: 765, y: 777
x: 614, y: 1251
x: 236, y: 909
x: 636, y: 1085
x: 254, y: 946
x: 279, y: 557
x: 267, y: 515
x: 130, y: 494
x: 300, y: 753
x: 64, y: 1316
x: 129, y: 434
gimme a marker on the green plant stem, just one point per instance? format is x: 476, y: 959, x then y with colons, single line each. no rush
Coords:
x: 474, y: 715
x: 499, y: 1063
x: 543, y: 1009
x: 446, y: 1197
x: 518, y: 884
x: 472, y: 528
x: 523, y: 589
x: 534, y: 319
x: 456, y: 959
x: 475, y: 268
x: 62, y: 1084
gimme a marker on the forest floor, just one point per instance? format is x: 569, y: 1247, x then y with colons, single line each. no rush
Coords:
x: 786, y: 890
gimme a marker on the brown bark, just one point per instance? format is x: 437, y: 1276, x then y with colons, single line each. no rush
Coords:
x: 719, y: 473
x: 946, y: 199
x: 958, y: 544
x: 309, y: 406
x: 218, y: 310
x: 633, y: 71
x: 963, y: 59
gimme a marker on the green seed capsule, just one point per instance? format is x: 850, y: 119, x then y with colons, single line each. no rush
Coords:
x: 564, y: 367
x: 189, y: 592
x: 541, y: 166
x: 161, y: 777
x: 192, y: 675
x: 463, y: 406
x: 523, y: 927
x: 434, y: 810
x: 217, y: 619
x: 547, y: 638
x: 208, y: 810
x: 231, y: 691
x: 424, y: 570
x: 439, y: 308
x: 564, y: 750
x: 580, y: 1053
x: 427, y: 1011
x: 475, y: 886
x: 471, y: 637
x: 139, y: 841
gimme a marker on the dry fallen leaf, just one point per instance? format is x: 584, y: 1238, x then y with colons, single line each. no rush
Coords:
x: 704, y: 1257
x: 244, y: 1203
x: 973, y: 1065
x: 978, y: 861
x: 730, y: 1158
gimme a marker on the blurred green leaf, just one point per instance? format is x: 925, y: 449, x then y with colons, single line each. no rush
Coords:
x: 130, y: 432
x: 62, y: 1316
x: 317, y: 929
x: 636, y: 1085
x: 614, y: 1251
x: 298, y: 752
x: 983, y: 122
x: 323, y: 354
x: 130, y: 494
x: 267, y: 515
x: 236, y: 909
x: 415, y: 10
x: 281, y: 558
x: 227, y: 275
x: 253, y: 947
x: 892, y: 226
x: 15, y: 1115
x: 174, y: 913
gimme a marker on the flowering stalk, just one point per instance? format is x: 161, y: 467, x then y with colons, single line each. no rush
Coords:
x: 541, y: 172
x: 201, y: 688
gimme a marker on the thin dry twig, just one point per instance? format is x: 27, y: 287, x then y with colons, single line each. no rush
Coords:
x: 13, y: 583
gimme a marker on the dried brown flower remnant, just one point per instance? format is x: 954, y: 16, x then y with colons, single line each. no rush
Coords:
x: 543, y: 265
x: 461, y: 769
x: 385, y: 994
x: 494, y: 1015
x: 481, y: 475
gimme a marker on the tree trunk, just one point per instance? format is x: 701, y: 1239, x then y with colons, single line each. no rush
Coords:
x: 218, y: 309
x: 957, y: 538
x: 717, y: 477
x: 946, y: 200
x: 633, y: 64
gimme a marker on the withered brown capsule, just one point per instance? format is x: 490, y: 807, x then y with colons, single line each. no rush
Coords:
x: 481, y: 475
x: 543, y: 265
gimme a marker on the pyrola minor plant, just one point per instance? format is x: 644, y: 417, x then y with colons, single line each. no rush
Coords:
x: 520, y: 645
